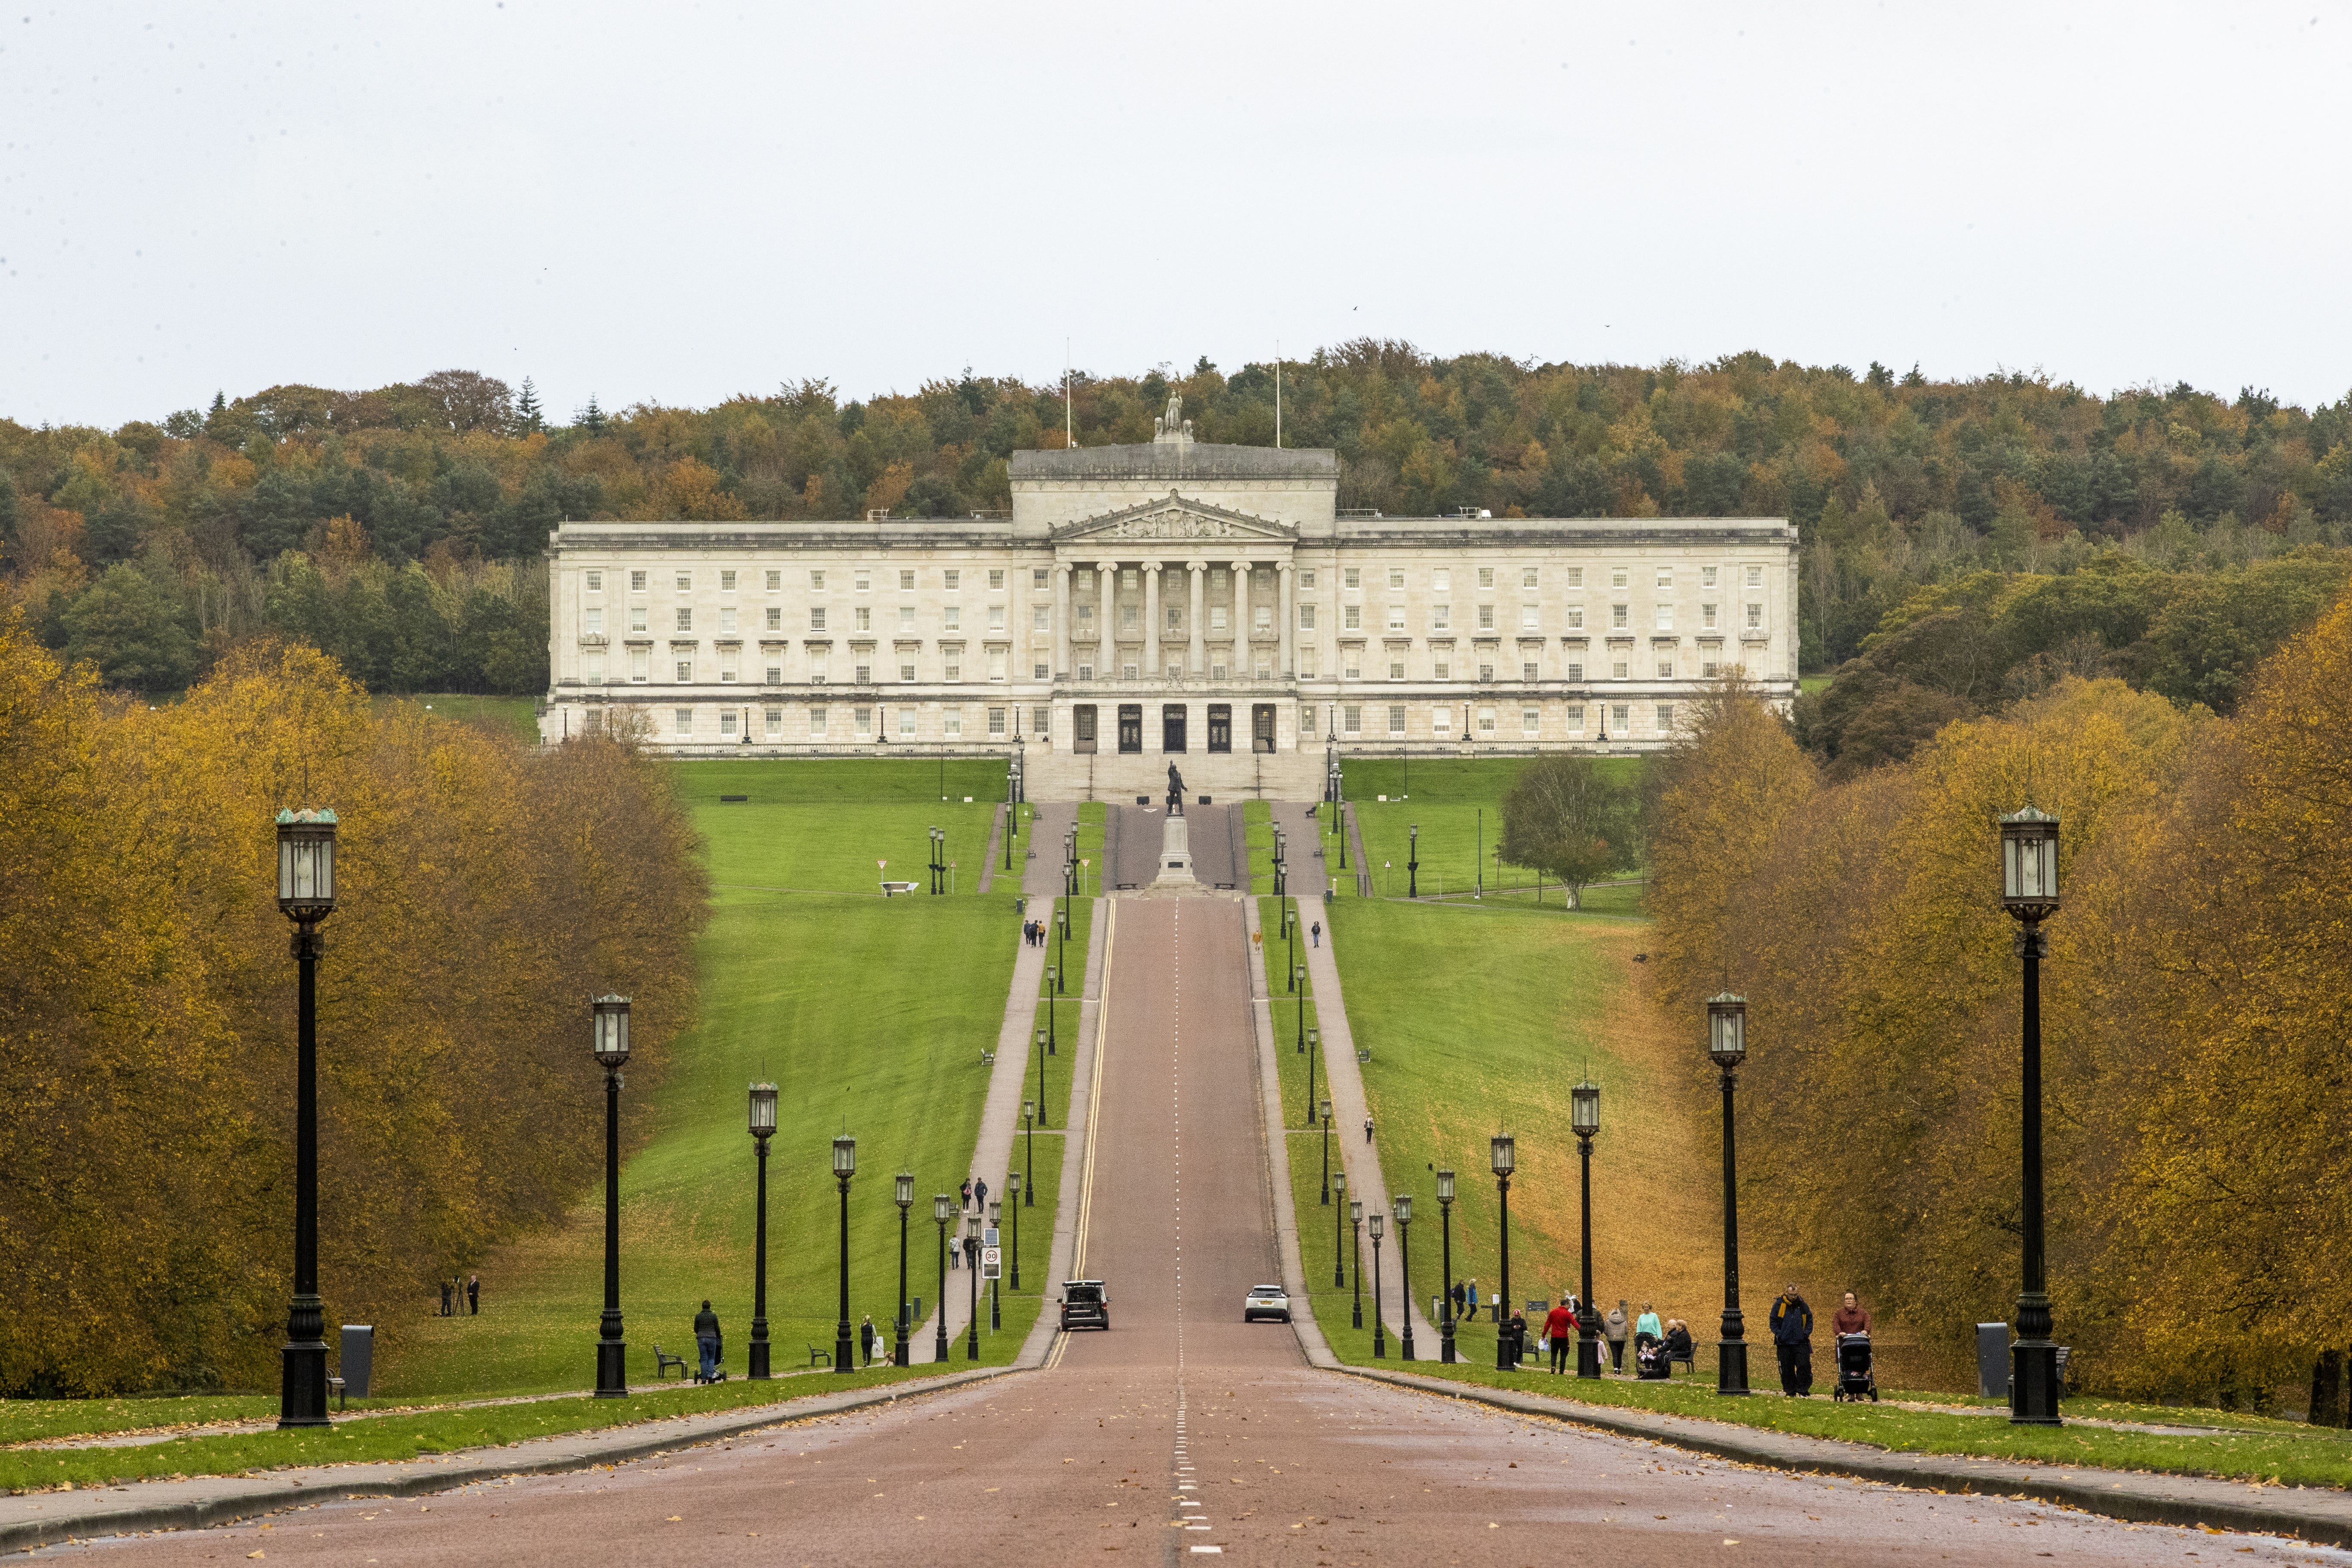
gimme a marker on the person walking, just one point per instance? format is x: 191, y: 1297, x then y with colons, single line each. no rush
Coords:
x: 1792, y: 1338
x: 967, y: 1192
x: 1456, y: 1293
x: 473, y: 1295
x: 979, y: 1194
x: 865, y: 1337
x: 1612, y: 1329
x: 1851, y: 1318
x: 1558, y: 1325
x: 448, y: 1288
x: 1367, y: 1129
x: 1471, y: 1292
x: 1316, y: 930
x: 705, y: 1339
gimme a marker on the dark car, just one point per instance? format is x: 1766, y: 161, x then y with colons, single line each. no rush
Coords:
x: 1083, y: 1304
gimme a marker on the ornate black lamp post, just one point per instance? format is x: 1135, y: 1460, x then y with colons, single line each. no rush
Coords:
x: 2029, y: 891
x: 1727, y: 1046
x: 938, y: 858
x: 1326, y: 1152
x: 1338, y: 1242
x: 1402, y: 1207
x: 306, y: 895
x: 943, y: 1208
x: 845, y: 1165
x: 971, y: 1266
x: 1503, y: 1154
x: 609, y: 1039
x: 995, y: 1292
x: 1445, y: 1302
x: 1280, y: 890
x: 1356, y: 1229
x: 1380, y: 1330
x: 1298, y: 985
x: 1013, y: 1186
x: 1044, y: 1041
x: 1029, y: 1131
x: 1290, y: 930
x: 1052, y: 1030
x: 763, y: 1127
x: 904, y: 1196
x: 1012, y: 810
x: 1413, y: 864
x: 1584, y: 1121
x: 1314, y: 1045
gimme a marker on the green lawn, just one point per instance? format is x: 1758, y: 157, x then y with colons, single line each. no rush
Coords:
x: 518, y: 716
x: 1293, y: 1011
x: 1457, y: 804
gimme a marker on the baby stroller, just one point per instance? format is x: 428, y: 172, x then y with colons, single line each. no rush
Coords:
x: 1853, y: 1376
x: 1650, y: 1362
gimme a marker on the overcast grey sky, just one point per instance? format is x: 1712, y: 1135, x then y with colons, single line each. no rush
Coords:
x: 676, y: 202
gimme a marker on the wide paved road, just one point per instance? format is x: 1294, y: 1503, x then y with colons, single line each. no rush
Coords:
x: 1181, y: 1433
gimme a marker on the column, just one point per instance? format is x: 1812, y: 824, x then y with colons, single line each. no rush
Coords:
x: 1062, y: 664
x: 1151, y: 670
x: 1106, y: 623
x: 1196, y: 662
x: 1242, y: 655
x: 1288, y: 669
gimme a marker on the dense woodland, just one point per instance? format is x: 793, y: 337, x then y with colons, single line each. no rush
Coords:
x: 147, y: 1023
x: 400, y: 528
x: 2194, y: 1011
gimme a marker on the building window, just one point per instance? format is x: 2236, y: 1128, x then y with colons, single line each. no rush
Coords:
x: 1486, y: 720
x: 1131, y: 577
x: 1486, y: 576
x: 1441, y: 721
x: 1441, y: 618
x: 906, y: 723
x: 1442, y: 669
x: 821, y: 664
x: 1127, y: 618
x: 906, y: 618
x: 1396, y: 669
x: 1306, y: 577
x: 862, y: 721
x: 1175, y: 616
x: 1261, y: 618
x: 1041, y: 672
x: 727, y: 620
x: 595, y: 582
x: 1353, y: 670
x: 1665, y: 669
x: 1086, y: 615
x: 996, y: 658
x: 907, y: 671
x: 775, y: 621
x: 996, y: 579
x: 1527, y: 578
x: 1352, y: 618
x: 683, y: 720
x: 996, y: 723
x: 1708, y: 669
x: 1706, y: 576
x: 1441, y: 580
x: 1666, y: 718
x: 1665, y: 576
x: 1352, y: 577
x: 1486, y: 672
x: 1576, y: 617
x: 686, y: 582
x: 1617, y: 615
x: 1755, y: 576
x: 636, y: 582
x: 1528, y: 617
x: 955, y: 613
x: 1038, y: 578
x: 1041, y: 720
x: 775, y: 717
x: 862, y: 580
x: 816, y: 723
x: 775, y: 675
x: 952, y: 721
x: 1622, y: 715
x: 1576, y: 672
x: 1706, y: 617
x: 1126, y: 672
x: 1085, y: 672
x: 1755, y: 617
x: 1574, y: 714
x: 816, y: 618
x: 1617, y: 576
x: 1528, y: 670
x: 1485, y: 617
x: 1396, y: 720
x: 1396, y: 617
x: 1351, y: 720
x: 1264, y: 576
x: 1665, y: 613
x: 593, y: 670
x: 727, y: 582
x: 953, y: 671
x: 686, y: 620
x: 1041, y: 618
x: 865, y: 617
x: 907, y: 581
x: 727, y: 722
x: 1306, y: 618
x: 776, y: 584
x: 640, y: 666
x: 725, y: 672
x: 1216, y: 672
x: 1396, y: 578
x: 1617, y: 669
x: 954, y: 581
x: 594, y: 621
x: 685, y: 671
x: 1528, y: 718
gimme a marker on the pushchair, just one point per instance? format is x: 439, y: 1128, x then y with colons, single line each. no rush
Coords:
x: 1853, y: 1373
x: 1650, y: 1362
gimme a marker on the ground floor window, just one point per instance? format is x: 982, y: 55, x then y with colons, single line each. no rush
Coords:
x: 816, y: 725
x: 952, y: 720
x: 1575, y: 715
x: 996, y: 723
x: 1441, y: 721
x: 727, y: 723
x: 685, y: 720
x: 906, y: 723
x: 1041, y: 720
x: 1396, y: 720
x: 1351, y: 720
x: 1486, y: 720
x: 1666, y: 718
x: 1622, y: 715
x: 1530, y: 720
x: 863, y: 719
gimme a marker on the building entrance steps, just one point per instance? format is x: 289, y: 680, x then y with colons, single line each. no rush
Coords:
x: 1360, y: 1158
x: 1224, y: 776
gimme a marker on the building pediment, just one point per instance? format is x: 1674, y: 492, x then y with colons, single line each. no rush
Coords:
x: 1172, y: 517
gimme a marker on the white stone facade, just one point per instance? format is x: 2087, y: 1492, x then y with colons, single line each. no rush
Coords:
x: 1174, y: 597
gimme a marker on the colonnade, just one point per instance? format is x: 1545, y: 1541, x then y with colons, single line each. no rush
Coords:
x: 1196, y: 659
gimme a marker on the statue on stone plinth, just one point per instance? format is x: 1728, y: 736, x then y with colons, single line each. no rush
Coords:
x: 1175, y: 792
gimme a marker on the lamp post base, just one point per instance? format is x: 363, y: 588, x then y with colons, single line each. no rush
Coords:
x: 302, y: 1387
x: 1445, y: 1342
x: 611, y: 1361
x: 1731, y: 1366
x: 1588, y: 1355
x: 2033, y: 1383
x: 901, y: 1356
x: 756, y: 1358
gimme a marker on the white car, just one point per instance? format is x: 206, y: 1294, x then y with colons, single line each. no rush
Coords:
x: 1266, y: 1302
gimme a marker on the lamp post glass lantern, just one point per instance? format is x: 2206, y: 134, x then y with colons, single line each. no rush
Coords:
x: 1502, y: 1154
x: 1584, y: 1121
x: 608, y: 1039
x: 2029, y: 891
x: 844, y: 1166
x: 306, y: 895
x: 763, y: 1127
x: 903, y: 1194
x: 1727, y: 1046
x: 1445, y: 1283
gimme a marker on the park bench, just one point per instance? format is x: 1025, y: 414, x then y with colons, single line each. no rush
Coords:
x: 1363, y: 1053
x: 820, y: 1356
x: 987, y: 1058
x: 663, y: 1362
x: 890, y: 888
x: 1690, y: 1360
x: 335, y: 1387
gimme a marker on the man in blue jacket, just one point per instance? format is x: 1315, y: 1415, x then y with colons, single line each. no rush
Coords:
x: 1792, y: 1337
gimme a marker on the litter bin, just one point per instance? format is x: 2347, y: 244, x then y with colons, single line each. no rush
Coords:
x: 359, y: 1358
x: 1992, y: 1360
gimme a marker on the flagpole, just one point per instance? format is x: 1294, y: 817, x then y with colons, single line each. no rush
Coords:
x: 1278, y: 391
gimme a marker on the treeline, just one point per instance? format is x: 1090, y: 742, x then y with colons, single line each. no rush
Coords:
x: 147, y: 1028
x: 1897, y: 480
x: 2193, y: 1016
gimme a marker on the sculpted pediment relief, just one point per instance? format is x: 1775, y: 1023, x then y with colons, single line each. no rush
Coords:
x: 1177, y: 519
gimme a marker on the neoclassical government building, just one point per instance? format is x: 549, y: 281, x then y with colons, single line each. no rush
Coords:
x: 1175, y: 597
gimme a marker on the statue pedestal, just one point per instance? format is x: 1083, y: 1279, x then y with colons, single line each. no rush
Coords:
x: 1175, y: 853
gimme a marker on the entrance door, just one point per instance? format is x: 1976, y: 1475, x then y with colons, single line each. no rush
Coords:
x: 1172, y: 727
x: 1131, y: 728
x: 1262, y: 727
x: 1220, y: 726
x: 1082, y: 729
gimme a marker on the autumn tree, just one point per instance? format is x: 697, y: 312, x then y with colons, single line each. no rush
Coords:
x: 1564, y: 814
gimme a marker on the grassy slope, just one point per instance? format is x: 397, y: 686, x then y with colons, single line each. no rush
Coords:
x: 1457, y: 804
x: 518, y: 716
